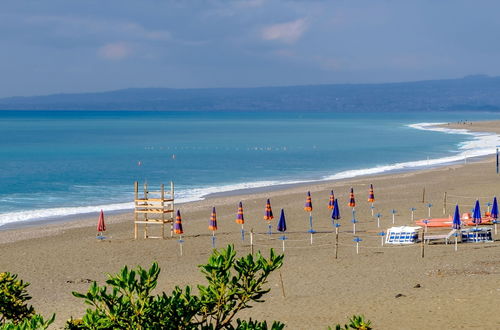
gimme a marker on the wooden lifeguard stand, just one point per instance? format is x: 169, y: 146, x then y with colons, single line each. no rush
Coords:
x: 156, y: 208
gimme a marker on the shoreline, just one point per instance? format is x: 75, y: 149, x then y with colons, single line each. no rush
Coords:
x: 380, y: 282
x: 470, y: 129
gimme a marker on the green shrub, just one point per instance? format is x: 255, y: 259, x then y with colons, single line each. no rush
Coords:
x: 15, y: 313
x: 357, y: 322
x: 233, y: 284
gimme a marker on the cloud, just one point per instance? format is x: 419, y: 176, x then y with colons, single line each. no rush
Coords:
x: 115, y: 51
x: 288, y: 32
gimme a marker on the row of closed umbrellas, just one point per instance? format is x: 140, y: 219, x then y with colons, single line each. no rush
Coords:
x: 268, y: 214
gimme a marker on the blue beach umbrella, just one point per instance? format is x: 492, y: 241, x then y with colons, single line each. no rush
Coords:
x: 335, y: 211
x: 282, y: 227
x: 494, y: 209
x: 282, y: 222
x: 476, y: 217
x: 456, y: 219
x: 456, y: 224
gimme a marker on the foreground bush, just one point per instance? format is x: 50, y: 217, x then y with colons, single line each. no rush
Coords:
x: 357, y: 322
x: 232, y: 285
x: 15, y: 313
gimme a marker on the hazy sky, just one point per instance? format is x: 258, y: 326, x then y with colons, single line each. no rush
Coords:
x: 54, y: 46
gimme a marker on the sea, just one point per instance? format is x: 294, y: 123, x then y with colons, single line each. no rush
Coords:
x: 60, y: 164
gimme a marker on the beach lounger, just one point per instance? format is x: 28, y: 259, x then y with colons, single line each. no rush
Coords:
x: 444, y: 237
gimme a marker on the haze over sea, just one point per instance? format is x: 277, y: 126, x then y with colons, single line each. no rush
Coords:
x: 56, y: 164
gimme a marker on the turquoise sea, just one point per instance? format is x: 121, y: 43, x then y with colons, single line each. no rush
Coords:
x: 56, y: 163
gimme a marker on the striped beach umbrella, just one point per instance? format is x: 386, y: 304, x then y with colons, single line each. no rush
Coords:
x: 178, y: 229
x: 308, y: 206
x: 331, y: 201
x: 476, y: 217
x: 212, y: 225
x: 239, y: 217
x: 282, y: 227
x: 178, y: 224
x: 352, y: 201
x: 268, y: 214
x: 241, y: 220
x: 101, y: 226
x: 371, y: 195
x: 336, y: 210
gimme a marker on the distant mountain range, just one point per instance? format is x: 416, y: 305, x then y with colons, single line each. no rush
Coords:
x: 470, y: 93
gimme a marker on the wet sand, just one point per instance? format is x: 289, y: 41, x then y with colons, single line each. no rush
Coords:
x: 393, y: 286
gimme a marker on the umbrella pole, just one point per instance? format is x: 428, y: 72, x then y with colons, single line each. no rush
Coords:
x: 311, y: 238
x: 311, y: 221
x: 336, y: 241
x: 378, y: 222
x: 270, y: 229
x: 213, y: 239
x: 180, y: 244
x: 357, y: 248
x: 372, y: 207
x: 456, y: 243
x: 242, y: 233
x: 283, y: 243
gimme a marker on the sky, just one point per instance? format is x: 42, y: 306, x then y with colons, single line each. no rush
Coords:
x: 61, y: 46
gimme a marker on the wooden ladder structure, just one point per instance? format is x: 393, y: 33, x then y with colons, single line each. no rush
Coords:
x: 153, y: 208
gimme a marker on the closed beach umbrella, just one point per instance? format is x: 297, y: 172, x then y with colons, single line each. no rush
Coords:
x: 268, y: 215
x: 371, y: 195
x: 494, y: 209
x: 239, y: 217
x: 212, y: 225
x: 308, y: 206
x: 282, y: 222
x: 494, y: 213
x: 456, y: 224
x: 331, y: 201
x: 101, y: 226
x: 456, y: 219
x: 282, y: 227
x: 178, y: 224
x: 241, y: 220
x: 476, y: 217
x: 336, y: 210
x: 352, y: 201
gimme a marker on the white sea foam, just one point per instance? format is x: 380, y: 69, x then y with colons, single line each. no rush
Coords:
x: 481, y: 144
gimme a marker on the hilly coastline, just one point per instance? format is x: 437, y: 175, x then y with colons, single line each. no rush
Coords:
x: 469, y: 93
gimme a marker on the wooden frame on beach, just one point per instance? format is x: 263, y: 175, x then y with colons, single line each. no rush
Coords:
x: 155, y: 210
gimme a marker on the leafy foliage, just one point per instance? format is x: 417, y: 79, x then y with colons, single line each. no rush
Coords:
x: 15, y: 313
x: 357, y: 322
x: 233, y: 284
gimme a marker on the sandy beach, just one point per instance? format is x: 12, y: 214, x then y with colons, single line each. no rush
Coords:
x: 393, y: 286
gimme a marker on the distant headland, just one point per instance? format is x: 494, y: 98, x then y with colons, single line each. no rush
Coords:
x: 478, y: 92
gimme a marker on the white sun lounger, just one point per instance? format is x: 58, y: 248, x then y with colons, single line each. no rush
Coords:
x: 445, y: 237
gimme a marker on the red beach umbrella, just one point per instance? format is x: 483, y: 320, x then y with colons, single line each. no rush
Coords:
x: 352, y: 201
x: 101, y: 226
